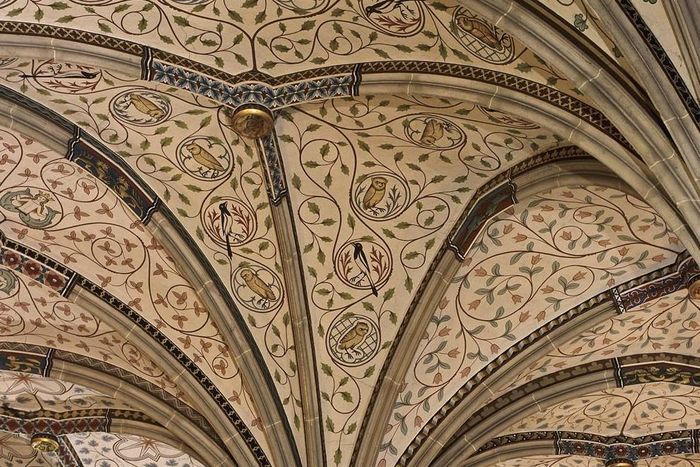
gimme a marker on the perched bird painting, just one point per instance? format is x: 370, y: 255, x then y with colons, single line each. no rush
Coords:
x: 206, y: 159
x: 353, y: 339
x: 362, y: 263
x: 146, y: 106
x: 387, y: 6
x: 375, y: 194
x: 56, y: 71
x: 433, y: 131
x: 480, y: 30
x: 226, y: 227
x: 259, y: 287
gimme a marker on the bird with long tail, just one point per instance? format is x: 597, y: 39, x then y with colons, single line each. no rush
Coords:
x: 226, y: 227
x: 363, y: 264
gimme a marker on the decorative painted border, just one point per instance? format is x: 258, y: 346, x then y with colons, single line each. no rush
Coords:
x: 36, y: 266
x: 606, y: 448
x: 516, y: 349
x: 113, y: 176
x: 325, y: 87
x: 67, y: 454
x: 686, y: 270
x: 274, y: 167
x: 663, y: 59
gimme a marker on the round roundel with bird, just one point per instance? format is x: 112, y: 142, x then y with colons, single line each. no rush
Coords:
x: 257, y: 288
x: 395, y: 17
x: 483, y: 39
x: 381, y: 196
x: 352, y: 340
x: 229, y: 222
x: 363, y: 264
x: 434, y: 132
x: 204, y: 158
x: 141, y: 107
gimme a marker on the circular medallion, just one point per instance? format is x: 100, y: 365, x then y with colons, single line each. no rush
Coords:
x: 363, y: 265
x: 381, y: 196
x: 396, y: 18
x: 8, y: 281
x: 44, y: 442
x: 502, y: 118
x: 34, y: 207
x: 352, y: 340
x: 141, y: 108
x: 434, y: 132
x: 257, y: 288
x: 250, y: 121
x: 229, y: 222
x: 204, y: 159
x: 483, y: 39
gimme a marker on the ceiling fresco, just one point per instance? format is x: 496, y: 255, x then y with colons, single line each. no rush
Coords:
x: 55, y: 207
x: 667, y: 324
x: 111, y: 449
x: 394, y: 160
x: 632, y: 411
x: 531, y: 263
x: 175, y: 293
x: 281, y: 37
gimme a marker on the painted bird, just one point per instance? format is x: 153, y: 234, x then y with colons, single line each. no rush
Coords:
x: 146, y: 106
x: 432, y: 132
x: 375, y: 194
x: 258, y: 286
x: 204, y: 157
x: 387, y: 6
x: 226, y: 227
x: 353, y: 338
x: 482, y: 31
x: 363, y: 264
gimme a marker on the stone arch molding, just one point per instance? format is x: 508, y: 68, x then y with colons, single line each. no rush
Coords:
x: 608, y: 149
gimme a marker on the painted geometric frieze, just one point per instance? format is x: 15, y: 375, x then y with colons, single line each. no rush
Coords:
x: 111, y: 449
x: 630, y: 411
x: 530, y: 264
x: 212, y: 182
x: 376, y: 184
x: 666, y: 324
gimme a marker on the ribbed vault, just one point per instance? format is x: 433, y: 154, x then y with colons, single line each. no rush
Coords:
x: 461, y: 209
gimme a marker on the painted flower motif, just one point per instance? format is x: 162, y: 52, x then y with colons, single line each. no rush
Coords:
x: 10, y: 259
x: 580, y: 22
x: 32, y: 269
x: 54, y: 280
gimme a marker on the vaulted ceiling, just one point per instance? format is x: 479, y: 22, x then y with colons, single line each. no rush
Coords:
x: 467, y: 237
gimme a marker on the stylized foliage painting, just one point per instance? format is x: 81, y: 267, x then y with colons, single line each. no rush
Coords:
x: 632, y: 411
x: 376, y: 185
x: 128, y: 450
x: 668, y: 324
x: 96, y: 235
x: 530, y: 264
x: 283, y: 36
x: 209, y: 178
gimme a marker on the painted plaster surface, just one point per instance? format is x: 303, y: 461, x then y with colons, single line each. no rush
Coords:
x: 530, y: 264
x: 631, y: 411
